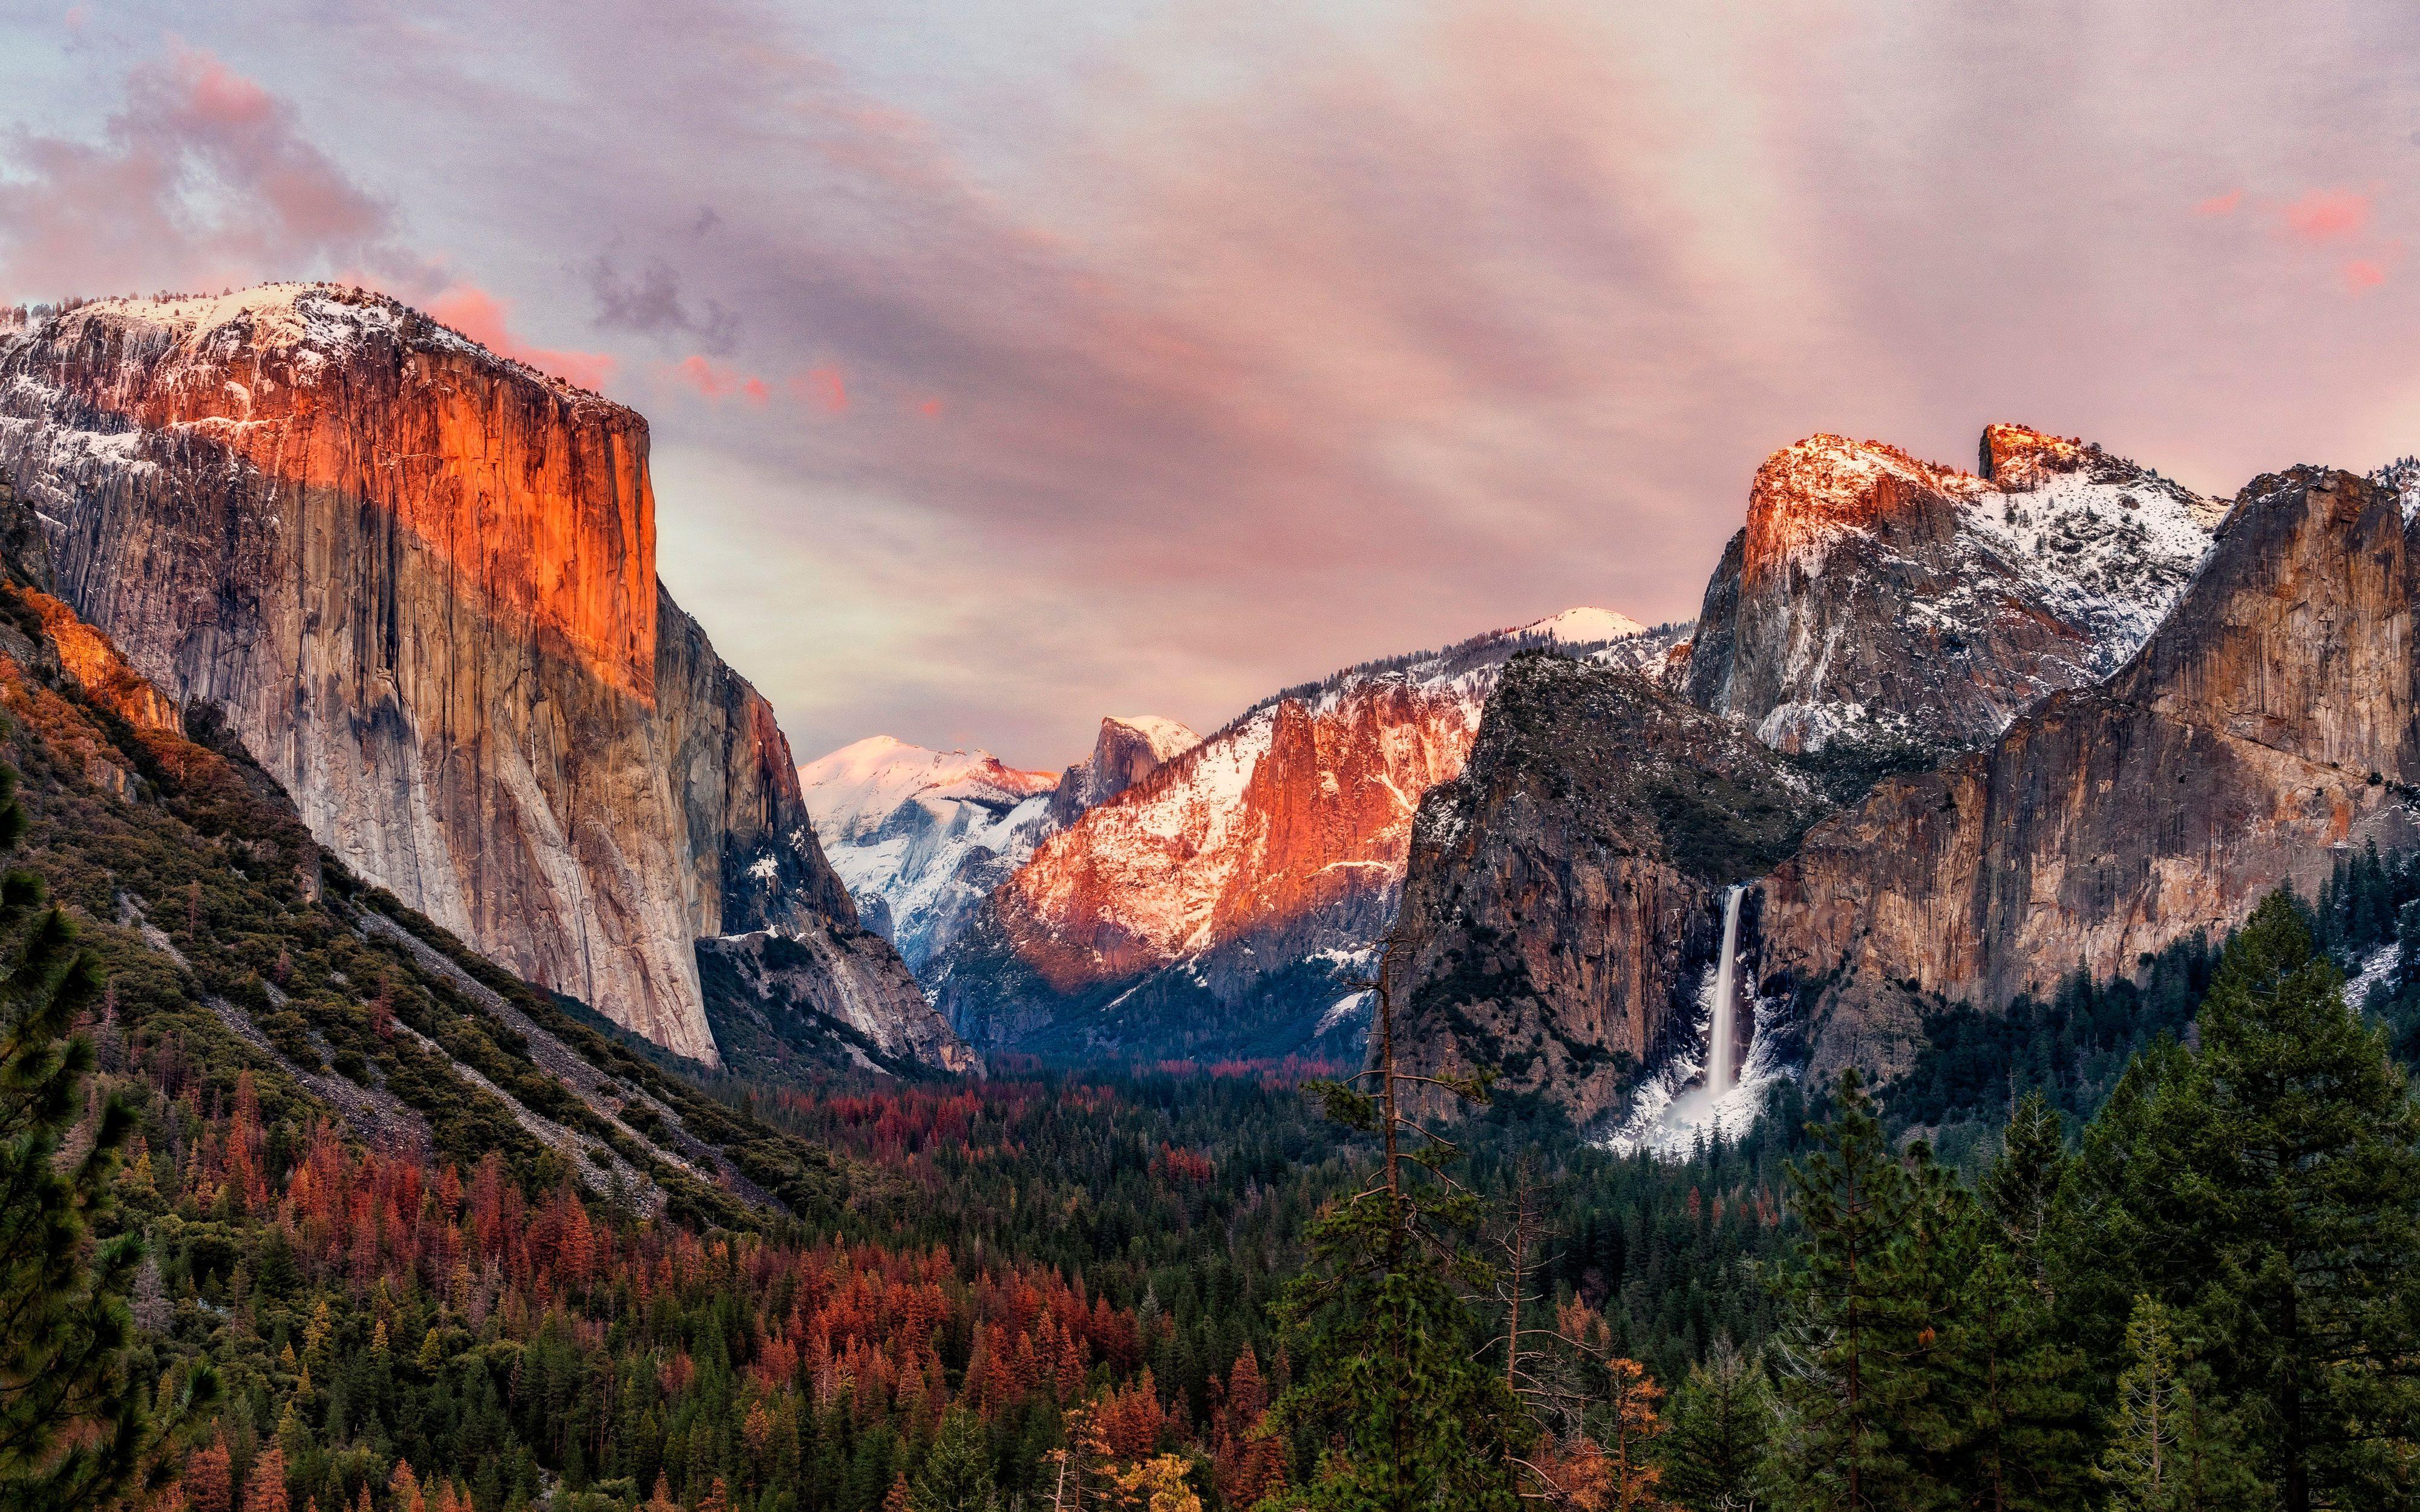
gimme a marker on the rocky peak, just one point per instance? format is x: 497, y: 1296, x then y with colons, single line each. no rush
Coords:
x: 2274, y: 715
x: 1893, y: 602
x: 533, y: 491
x: 1126, y: 750
x: 1224, y: 903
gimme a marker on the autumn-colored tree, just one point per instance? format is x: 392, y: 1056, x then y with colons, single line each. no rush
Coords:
x: 405, y: 1488
x: 1157, y: 1484
x: 210, y: 1482
x: 264, y: 1488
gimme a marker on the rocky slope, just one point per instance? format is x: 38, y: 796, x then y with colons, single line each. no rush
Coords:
x: 417, y: 583
x: 2273, y: 716
x: 1885, y: 601
x: 1566, y: 890
x: 232, y: 941
x: 1226, y: 904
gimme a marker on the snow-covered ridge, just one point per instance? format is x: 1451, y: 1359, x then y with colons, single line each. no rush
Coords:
x: 306, y: 326
x: 2051, y: 531
x: 2402, y: 476
x: 919, y: 837
x: 854, y: 791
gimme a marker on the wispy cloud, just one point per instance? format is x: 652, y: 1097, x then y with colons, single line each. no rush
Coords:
x: 1162, y: 356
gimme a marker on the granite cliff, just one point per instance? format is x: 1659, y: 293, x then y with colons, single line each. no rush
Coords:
x: 417, y: 583
x: 1877, y: 599
x: 1226, y: 904
x: 2114, y: 747
x: 2272, y: 717
x: 1565, y: 891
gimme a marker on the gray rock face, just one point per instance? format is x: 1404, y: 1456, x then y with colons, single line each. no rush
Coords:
x: 1565, y: 891
x: 418, y: 581
x: 2274, y: 716
x: 795, y: 988
x: 1883, y: 600
x: 2269, y: 714
x: 1123, y: 753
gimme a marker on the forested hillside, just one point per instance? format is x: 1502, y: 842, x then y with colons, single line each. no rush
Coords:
x: 374, y: 1225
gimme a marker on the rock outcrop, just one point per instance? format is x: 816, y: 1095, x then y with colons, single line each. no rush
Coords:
x: 1885, y: 601
x: 1226, y: 904
x: 1565, y: 891
x: 2270, y: 718
x: 417, y: 581
x: 1126, y: 750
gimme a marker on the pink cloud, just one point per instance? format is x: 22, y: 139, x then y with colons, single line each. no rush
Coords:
x: 202, y: 179
x: 717, y: 380
x: 2220, y: 203
x: 823, y: 388
x: 2361, y: 274
x: 2326, y: 215
x: 483, y: 317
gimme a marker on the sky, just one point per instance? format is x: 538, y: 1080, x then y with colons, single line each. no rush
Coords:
x: 1011, y: 363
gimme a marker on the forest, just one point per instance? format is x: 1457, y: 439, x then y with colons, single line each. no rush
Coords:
x: 2147, y: 1244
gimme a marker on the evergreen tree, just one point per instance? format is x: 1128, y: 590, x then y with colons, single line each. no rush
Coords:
x: 956, y: 1476
x: 1717, y: 1434
x: 1862, y: 1423
x: 2164, y: 1454
x: 2266, y: 1187
x: 2019, y: 1423
x: 1389, y: 1388
x: 73, y: 1429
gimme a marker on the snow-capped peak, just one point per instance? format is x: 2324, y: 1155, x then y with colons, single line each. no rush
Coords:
x: 1167, y: 738
x: 853, y: 791
x: 1584, y: 626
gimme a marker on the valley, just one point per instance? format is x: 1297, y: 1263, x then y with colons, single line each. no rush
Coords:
x: 533, y: 1087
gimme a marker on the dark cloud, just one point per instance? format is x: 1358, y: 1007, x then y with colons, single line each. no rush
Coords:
x: 649, y: 302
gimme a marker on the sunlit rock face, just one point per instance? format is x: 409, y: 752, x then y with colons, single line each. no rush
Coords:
x: 1882, y: 600
x: 418, y: 583
x: 2272, y: 716
x: 1226, y: 904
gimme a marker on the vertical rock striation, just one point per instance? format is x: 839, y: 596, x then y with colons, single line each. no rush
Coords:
x: 418, y: 583
x: 2273, y: 716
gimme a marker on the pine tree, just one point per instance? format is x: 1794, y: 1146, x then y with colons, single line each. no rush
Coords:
x: 2164, y: 1455
x: 2020, y: 1424
x: 2266, y: 1189
x: 264, y: 1488
x: 1717, y: 1434
x: 1859, y: 1421
x: 1386, y: 1387
x: 956, y: 1476
x: 73, y: 1429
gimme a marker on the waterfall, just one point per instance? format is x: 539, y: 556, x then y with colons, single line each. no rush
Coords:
x: 1722, y: 1055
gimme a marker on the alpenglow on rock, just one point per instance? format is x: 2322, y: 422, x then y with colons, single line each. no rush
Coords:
x: 1226, y: 904
x: 417, y: 581
x: 1880, y: 599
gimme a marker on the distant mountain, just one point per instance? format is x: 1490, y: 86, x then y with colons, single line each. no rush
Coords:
x: 1877, y: 599
x: 417, y: 581
x: 1225, y: 904
x: 920, y: 836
